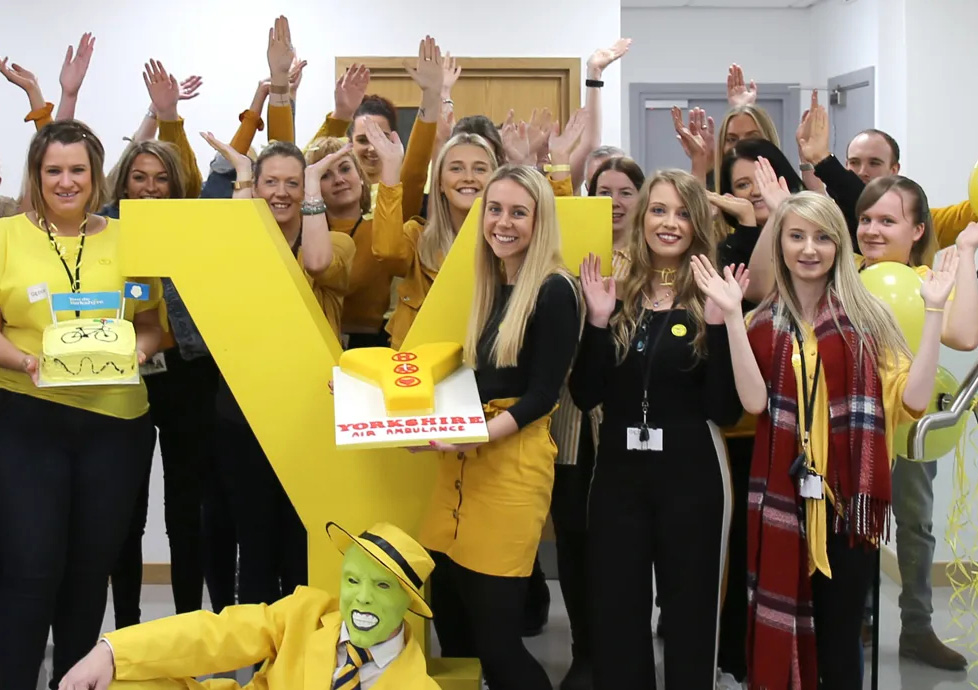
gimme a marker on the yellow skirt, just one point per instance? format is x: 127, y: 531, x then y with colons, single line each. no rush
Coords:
x: 489, y: 506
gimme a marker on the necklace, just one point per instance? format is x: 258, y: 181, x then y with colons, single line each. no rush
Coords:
x: 666, y: 276
x: 655, y: 300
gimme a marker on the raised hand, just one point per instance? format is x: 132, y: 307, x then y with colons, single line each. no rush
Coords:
x: 937, y: 285
x: 773, y: 189
x: 189, y: 86
x: 76, y: 65
x: 446, y: 125
x: 698, y: 139
x: 295, y: 75
x: 741, y: 209
x: 739, y: 93
x: 241, y: 162
x: 18, y: 76
x: 163, y: 89
x: 724, y: 294
x: 539, y: 130
x: 813, y: 143
x: 602, y: 57
x: 599, y: 292
x: 967, y: 241
x: 562, y: 144
x: 516, y: 141
x: 315, y: 171
x: 350, y: 90
x: 451, y: 74
x: 280, y: 52
x: 428, y: 71
x: 389, y: 150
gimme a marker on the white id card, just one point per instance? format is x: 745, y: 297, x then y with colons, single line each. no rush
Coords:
x: 634, y: 442
x: 811, y: 487
x: 156, y: 365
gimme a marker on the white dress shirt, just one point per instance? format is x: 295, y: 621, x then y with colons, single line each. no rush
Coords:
x: 381, y: 654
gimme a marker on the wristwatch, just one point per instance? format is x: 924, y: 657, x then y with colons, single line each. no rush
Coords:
x: 806, y: 167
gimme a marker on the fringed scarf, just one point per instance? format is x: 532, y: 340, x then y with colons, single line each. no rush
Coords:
x: 781, y: 633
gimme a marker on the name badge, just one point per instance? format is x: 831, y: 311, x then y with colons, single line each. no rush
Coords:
x: 811, y: 487
x: 633, y: 439
x: 36, y: 293
x: 155, y: 365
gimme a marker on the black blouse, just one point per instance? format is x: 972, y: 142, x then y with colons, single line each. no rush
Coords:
x: 548, y: 349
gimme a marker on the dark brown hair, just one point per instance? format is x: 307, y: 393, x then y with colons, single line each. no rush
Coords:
x: 484, y: 127
x: 923, y: 250
x: 621, y: 164
x: 66, y: 132
x: 165, y: 152
x: 379, y: 106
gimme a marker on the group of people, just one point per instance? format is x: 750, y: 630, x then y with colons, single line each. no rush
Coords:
x: 721, y: 410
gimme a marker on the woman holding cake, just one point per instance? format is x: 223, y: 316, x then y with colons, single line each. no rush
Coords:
x: 522, y: 334
x: 73, y: 458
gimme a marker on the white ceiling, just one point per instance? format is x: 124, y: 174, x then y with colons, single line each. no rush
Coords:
x: 729, y: 4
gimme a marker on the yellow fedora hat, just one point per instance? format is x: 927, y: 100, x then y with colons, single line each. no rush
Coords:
x: 395, y: 550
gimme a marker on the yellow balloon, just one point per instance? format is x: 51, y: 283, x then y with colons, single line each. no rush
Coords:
x: 973, y: 189
x: 898, y: 286
x: 939, y: 442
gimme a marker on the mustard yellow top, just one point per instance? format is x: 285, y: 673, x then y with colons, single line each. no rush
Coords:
x: 330, y: 285
x: 173, y: 132
x: 893, y: 378
x: 950, y: 221
x: 280, y: 124
x: 250, y: 123
x: 27, y: 260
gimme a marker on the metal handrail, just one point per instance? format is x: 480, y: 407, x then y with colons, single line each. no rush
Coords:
x: 958, y: 407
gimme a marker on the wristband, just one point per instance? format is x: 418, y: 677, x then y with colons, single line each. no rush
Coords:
x: 447, y: 101
x: 243, y: 184
x: 593, y: 83
x: 313, y: 208
x: 563, y: 167
x: 806, y: 167
x: 278, y: 90
x: 934, y: 309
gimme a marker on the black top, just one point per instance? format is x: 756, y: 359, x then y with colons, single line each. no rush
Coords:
x: 844, y: 186
x: 683, y: 391
x: 738, y: 246
x: 548, y: 351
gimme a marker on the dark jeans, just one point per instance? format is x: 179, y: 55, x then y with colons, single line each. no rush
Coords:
x: 271, y: 538
x: 69, y: 479
x: 182, y: 409
x: 478, y: 615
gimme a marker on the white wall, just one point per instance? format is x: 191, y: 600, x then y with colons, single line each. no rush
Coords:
x: 225, y: 40
x: 697, y: 45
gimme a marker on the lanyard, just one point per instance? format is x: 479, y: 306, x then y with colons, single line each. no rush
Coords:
x: 354, y: 230
x: 807, y: 399
x: 649, y: 353
x: 74, y: 280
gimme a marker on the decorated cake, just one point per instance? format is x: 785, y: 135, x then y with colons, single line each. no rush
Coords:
x: 88, y: 351
x: 407, y: 378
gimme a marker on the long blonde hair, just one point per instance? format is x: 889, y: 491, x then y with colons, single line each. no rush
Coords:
x: 438, y: 234
x: 764, y: 123
x: 639, y: 277
x: 874, y: 324
x: 541, y: 260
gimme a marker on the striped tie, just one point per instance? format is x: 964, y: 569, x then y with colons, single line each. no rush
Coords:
x: 349, y: 678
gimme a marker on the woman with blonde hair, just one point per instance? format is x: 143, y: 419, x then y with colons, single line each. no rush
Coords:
x: 657, y: 361
x: 522, y: 334
x: 825, y: 366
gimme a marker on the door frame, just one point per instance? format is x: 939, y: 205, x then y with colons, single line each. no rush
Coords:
x: 860, y: 78
x: 567, y: 70
x: 638, y: 93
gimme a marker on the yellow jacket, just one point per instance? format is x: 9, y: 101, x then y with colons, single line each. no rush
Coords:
x: 297, y: 635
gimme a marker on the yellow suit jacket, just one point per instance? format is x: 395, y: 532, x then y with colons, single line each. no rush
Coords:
x: 296, y: 635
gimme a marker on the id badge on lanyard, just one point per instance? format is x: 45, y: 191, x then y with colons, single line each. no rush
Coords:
x: 644, y: 437
x: 809, y: 481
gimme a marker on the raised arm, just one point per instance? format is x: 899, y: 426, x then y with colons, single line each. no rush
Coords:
x: 244, y: 182
x: 562, y: 146
x: 390, y: 234
x: 73, y: 73
x: 164, y: 91
x: 317, y: 247
x: 429, y: 73
x: 280, y: 55
x: 40, y: 112
x: 774, y: 189
x: 803, y: 133
x: 698, y: 140
x: 350, y: 89
x: 934, y: 290
x: 596, y: 357
x: 250, y: 120
x: 960, y: 329
x: 738, y: 91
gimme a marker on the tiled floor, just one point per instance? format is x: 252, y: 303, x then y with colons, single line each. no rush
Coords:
x: 553, y: 647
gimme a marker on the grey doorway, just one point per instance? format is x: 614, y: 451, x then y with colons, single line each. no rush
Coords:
x: 852, y: 107
x: 653, y: 138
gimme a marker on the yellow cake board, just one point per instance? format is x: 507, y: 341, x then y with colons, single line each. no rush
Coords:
x: 585, y: 226
x: 271, y: 341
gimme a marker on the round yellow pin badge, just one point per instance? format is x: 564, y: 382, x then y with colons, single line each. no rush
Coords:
x: 679, y: 330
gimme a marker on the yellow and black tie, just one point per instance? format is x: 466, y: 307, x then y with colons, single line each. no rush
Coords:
x: 349, y: 678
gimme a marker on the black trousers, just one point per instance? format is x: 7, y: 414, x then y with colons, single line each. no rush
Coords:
x: 219, y: 538
x: 181, y: 403
x: 839, y: 605
x: 271, y: 538
x: 664, y: 509
x: 69, y: 479
x: 568, y: 509
x: 732, y: 657
x: 478, y: 615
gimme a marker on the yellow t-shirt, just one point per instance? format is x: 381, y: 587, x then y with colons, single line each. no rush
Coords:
x: 893, y: 378
x: 27, y: 260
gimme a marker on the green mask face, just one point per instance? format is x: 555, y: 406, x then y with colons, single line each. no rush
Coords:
x: 372, y: 601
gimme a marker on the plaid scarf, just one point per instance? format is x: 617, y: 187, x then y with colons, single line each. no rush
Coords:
x: 781, y: 632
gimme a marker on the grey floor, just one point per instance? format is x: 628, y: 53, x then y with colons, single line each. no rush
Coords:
x: 553, y: 647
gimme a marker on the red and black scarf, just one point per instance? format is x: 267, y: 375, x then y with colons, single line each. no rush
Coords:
x: 781, y: 633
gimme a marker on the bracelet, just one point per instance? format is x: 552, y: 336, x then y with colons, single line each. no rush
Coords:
x: 150, y: 115
x: 806, y: 167
x: 279, y: 90
x: 934, y: 309
x: 561, y: 167
x: 593, y: 83
x: 243, y: 184
x: 448, y: 101
x: 313, y: 208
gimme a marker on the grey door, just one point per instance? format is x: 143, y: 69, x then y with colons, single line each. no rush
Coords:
x: 852, y: 107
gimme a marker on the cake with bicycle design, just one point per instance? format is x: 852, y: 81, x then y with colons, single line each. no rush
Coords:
x: 90, y: 350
